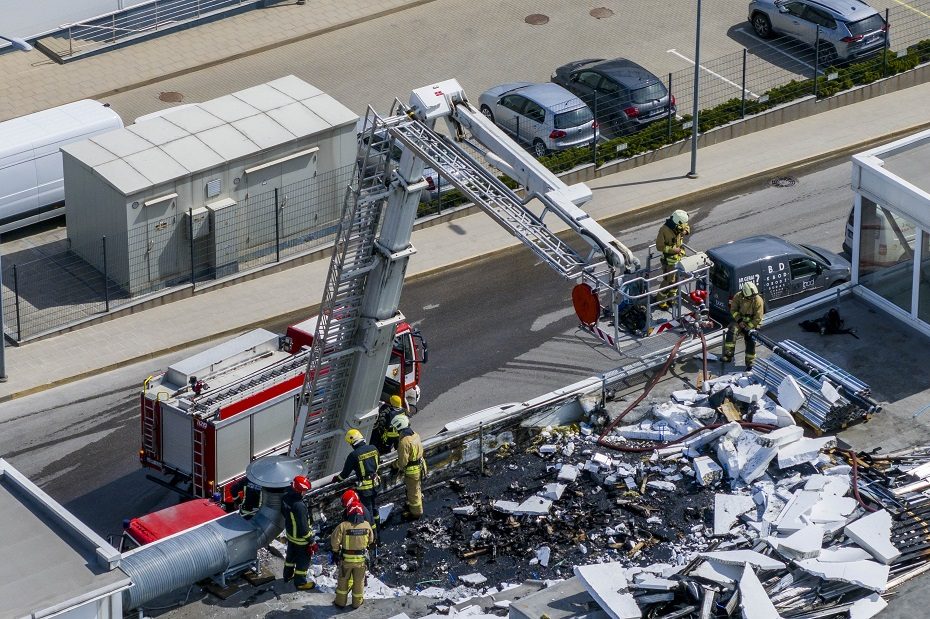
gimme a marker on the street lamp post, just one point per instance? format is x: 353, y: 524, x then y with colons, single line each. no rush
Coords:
x: 697, y: 81
x: 17, y: 43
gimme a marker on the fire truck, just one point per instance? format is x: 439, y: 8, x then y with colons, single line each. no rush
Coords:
x: 207, y: 416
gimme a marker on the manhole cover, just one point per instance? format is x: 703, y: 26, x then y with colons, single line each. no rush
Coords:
x: 601, y: 12
x: 784, y: 181
x: 537, y: 19
x: 171, y: 96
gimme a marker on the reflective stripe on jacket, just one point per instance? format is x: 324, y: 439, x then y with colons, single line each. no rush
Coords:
x: 669, y: 241
x: 351, y: 538
x: 296, y: 519
x: 748, y: 310
x: 364, y: 462
x: 410, y: 454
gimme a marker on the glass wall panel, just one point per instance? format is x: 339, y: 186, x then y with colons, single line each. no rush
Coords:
x: 923, y: 300
x: 886, y: 254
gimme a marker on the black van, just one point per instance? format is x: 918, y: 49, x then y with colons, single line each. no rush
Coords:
x: 783, y: 272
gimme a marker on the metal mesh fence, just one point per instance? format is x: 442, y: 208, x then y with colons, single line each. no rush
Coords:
x: 53, y: 286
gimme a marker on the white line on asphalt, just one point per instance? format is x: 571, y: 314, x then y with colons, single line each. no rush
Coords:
x: 780, y: 51
x: 547, y: 319
x: 717, y: 75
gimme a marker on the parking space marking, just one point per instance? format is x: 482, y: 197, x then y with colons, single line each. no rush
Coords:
x: 908, y: 6
x: 780, y: 51
x: 717, y: 75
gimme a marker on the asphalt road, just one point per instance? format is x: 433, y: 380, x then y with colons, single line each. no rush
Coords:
x: 499, y: 329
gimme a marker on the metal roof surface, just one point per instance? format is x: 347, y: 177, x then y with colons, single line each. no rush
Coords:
x: 204, y: 135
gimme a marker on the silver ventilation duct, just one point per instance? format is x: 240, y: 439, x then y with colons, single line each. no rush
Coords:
x: 214, y: 547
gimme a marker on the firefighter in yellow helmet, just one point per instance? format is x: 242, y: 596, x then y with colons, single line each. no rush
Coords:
x: 350, y: 541
x: 385, y: 436
x: 411, y: 465
x: 670, y: 245
x: 746, y: 310
x: 363, y: 462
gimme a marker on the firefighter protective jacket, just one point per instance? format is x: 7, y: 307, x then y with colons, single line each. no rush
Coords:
x: 410, y: 454
x: 351, y: 538
x: 747, y: 310
x: 670, y: 240
x: 363, y: 461
x: 296, y: 519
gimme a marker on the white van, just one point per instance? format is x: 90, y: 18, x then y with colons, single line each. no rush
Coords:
x: 31, y: 184
x: 887, y: 239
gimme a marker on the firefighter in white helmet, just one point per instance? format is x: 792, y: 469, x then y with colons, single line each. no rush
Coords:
x: 746, y: 311
x: 670, y: 244
x: 411, y: 465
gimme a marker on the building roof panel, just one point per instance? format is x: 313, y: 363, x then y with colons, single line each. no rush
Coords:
x: 193, y: 119
x: 228, y: 142
x: 156, y: 165
x: 90, y: 153
x: 123, y: 176
x: 229, y: 108
x: 157, y: 131
x: 263, y: 97
x: 121, y: 142
x: 193, y: 154
x: 264, y: 131
x: 299, y: 120
x: 294, y: 87
x: 330, y: 110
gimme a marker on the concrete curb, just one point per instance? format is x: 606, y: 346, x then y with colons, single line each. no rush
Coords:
x: 660, y: 204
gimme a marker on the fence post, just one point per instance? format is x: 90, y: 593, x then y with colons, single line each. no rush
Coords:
x: 816, y: 59
x: 885, y: 48
x: 277, y: 229
x: 671, y: 116
x: 190, y: 229
x: 156, y: 22
x: 19, y: 328
x: 598, y: 128
x: 70, y: 43
x: 742, y: 107
x: 113, y: 25
x: 106, y: 278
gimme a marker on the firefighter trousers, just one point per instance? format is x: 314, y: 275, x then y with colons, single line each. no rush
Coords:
x: 369, y: 499
x: 296, y: 563
x: 414, y: 496
x: 350, y: 575
x: 671, y: 277
x: 729, y: 344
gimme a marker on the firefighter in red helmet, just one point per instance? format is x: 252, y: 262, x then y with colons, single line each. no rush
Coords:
x: 300, y: 544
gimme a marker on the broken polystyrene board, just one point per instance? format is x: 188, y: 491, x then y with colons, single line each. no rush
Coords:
x: 508, y: 507
x: 789, y: 520
x: 568, y: 472
x: 828, y: 485
x: 568, y: 450
x: 803, y: 450
x: 384, y: 511
x: 867, y: 607
x: 832, y: 509
x: 757, y: 464
x: 828, y: 391
x: 699, y: 440
x: 781, y: 436
x: 843, y: 554
x: 727, y: 508
x: 644, y: 434
x: 547, y: 449
x: 873, y: 533
x: 534, y: 506
x: 665, y: 486
x: 542, y: 555
x: 765, y: 417
x: 746, y: 447
x: 728, y: 457
x: 790, y: 396
x: 602, y: 460
x: 749, y: 393
x: 606, y: 583
x: 804, y: 543
x: 463, y: 510
x: 785, y: 418
x: 702, y: 413
x: 740, y: 557
x: 706, y: 471
x: 552, y: 491
x: 753, y: 600
x: 867, y: 574
x: 653, y: 583
x: 474, y: 579
x: 687, y: 396
x: 718, y: 573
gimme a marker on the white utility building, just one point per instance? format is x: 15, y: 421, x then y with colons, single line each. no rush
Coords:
x: 890, y: 228
x: 210, y: 188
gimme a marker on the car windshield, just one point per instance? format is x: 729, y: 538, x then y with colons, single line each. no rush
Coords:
x: 573, y: 118
x: 810, y: 251
x: 653, y: 91
x: 867, y: 25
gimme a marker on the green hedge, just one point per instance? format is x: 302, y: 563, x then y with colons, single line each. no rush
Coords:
x: 663, y: 132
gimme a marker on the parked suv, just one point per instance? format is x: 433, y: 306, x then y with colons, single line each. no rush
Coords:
x: 624, y: 96
x: 887, y: 239
x: 848, y: 29
x: 544, y: 116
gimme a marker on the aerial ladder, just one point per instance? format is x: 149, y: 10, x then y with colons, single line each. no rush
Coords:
x: 358, y: 314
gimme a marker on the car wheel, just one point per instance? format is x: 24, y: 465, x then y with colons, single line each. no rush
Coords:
x: 487, y: 113
x: 762, y: 26
x: 539, y: 149
x: 827, y: 55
